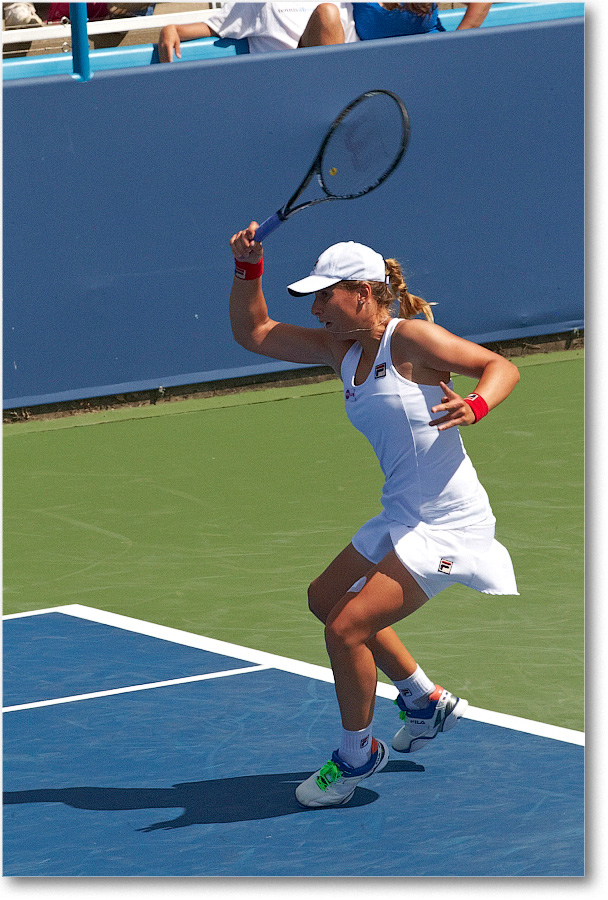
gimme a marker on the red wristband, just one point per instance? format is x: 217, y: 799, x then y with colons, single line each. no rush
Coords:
x: 248, y: 271
x: 478, y: 405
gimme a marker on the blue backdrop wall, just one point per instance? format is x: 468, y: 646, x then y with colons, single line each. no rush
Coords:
x: 121, y: 194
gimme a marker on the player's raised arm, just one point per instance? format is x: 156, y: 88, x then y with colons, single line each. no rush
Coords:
x: 441, y: 351
x: 253, y: 328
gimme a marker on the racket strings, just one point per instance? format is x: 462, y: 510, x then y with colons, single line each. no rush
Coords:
x: 364, y: 146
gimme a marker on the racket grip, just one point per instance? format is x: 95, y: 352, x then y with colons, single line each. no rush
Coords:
x: 267, y: 227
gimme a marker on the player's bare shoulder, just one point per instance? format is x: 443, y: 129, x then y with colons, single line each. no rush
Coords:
x: 410, y: 345
x: 410, y: 333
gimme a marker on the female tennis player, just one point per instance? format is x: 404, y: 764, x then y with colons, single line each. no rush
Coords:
x: 436, y: 527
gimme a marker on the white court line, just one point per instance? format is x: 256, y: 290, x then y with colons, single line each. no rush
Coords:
x: 132, y: 688
x: 285, y: 664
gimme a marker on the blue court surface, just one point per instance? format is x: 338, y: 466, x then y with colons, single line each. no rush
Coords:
x: 137, y: 750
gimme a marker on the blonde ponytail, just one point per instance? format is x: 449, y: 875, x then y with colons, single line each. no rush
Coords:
x: 409, y: 304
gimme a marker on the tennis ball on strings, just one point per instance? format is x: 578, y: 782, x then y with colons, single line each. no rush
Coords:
x: 333, y: 170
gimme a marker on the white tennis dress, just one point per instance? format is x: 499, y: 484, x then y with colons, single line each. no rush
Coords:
x: 436, y: 514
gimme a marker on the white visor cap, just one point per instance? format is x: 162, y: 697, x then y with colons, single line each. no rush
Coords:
x: 346, y: 261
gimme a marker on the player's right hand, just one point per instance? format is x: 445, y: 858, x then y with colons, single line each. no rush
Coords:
x: 243, y: 245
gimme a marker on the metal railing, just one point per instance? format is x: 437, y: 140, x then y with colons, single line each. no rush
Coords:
x: 79, y: 29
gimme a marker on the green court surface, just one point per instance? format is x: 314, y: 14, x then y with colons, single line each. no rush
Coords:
x: 212, y: 516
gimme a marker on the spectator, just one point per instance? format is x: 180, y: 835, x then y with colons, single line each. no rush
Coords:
x: 381, y: 20
x: 57, y: 12
x: 267, y: 26
x: 20, y: 15
x: 95, y: 11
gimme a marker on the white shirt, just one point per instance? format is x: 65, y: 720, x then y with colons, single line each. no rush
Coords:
x: 428, y: 474
x: 272, y: 26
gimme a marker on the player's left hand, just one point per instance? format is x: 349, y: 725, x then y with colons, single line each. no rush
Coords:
x: 457, y: 412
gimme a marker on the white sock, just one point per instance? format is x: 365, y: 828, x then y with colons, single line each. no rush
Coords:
x: 415, y: 690
x: 356, y: 746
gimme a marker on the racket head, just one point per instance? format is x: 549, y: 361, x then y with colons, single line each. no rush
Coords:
x: 364, y: 145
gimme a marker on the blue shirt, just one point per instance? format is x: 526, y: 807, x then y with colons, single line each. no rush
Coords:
x: 373, y: 21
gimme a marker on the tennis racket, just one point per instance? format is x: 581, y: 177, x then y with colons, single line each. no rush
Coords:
x: 365, y: 143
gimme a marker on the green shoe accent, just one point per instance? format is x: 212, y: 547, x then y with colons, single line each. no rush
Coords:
x: 402, y: 712
x: 327, y: 775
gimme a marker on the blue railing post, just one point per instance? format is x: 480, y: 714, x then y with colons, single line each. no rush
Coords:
x: 80, y: 41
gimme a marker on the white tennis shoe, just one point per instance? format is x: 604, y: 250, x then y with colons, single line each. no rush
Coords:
x: 335, y: 782
x: 421, y: 725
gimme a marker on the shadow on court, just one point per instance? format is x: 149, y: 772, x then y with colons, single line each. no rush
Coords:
x: 239, y: 799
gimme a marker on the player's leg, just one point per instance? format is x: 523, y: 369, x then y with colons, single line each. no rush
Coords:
x: 346, y: 571
x: 390, y: 594
x: 340, y: 576
x: 357, y: 623
x: 324, y: 27
x: 351, y: 623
